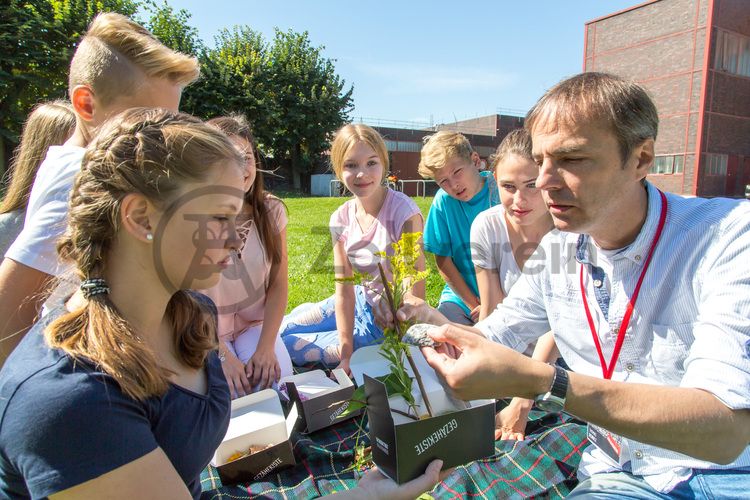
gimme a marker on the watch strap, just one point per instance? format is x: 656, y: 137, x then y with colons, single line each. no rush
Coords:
x: 559, y: 387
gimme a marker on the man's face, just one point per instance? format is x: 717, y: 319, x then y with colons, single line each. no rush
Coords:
x: 584, y: 182
x: 459, y: 178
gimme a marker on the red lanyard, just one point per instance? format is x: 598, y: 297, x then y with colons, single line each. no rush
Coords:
x: 607, y: 371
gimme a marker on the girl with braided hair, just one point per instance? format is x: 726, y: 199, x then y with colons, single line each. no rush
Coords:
x: 122, y: 383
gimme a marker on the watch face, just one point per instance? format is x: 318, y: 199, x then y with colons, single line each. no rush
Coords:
x: 551, y: 404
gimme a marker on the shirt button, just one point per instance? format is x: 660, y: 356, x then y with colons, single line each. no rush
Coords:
x: 630, y: 367
x: 638, y: 258
x: 597, y: 283
x: 638, y: 454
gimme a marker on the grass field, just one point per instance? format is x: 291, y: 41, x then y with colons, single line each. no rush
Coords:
x: 311, y: 256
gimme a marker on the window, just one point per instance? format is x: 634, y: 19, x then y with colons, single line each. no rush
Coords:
x: 668, y: 164
x: 413, y: 147
x: 732, y: 53
x: 679, y: 163
x: 716, y: 165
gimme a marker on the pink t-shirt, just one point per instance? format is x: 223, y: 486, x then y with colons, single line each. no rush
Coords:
x: 240, y: 295
x: 361, y: 246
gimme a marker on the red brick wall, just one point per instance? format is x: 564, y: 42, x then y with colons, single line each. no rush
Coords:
x: 660, y: 45
x: 671, y: 183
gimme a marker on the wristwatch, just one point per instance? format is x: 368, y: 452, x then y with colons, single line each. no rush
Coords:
x: 553, y: 401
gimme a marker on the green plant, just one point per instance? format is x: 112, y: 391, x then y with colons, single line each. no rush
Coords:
x: 403, y: 263
x: 311, y: 253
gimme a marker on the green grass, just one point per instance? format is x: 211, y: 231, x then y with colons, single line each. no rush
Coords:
x: 311, y: 256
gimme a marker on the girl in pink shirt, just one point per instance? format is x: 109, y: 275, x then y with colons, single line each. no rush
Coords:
x: 328, y: 332
x: 251, y: 295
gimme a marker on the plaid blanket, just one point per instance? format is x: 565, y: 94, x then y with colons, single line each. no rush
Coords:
x: 544, y: 465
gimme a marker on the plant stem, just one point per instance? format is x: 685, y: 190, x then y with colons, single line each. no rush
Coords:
x: 389, y: 297
x: 405, y: 414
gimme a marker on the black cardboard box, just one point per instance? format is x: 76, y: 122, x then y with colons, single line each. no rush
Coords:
x: 257, y: 420
x: 320, y: 401
x: 402, y: 447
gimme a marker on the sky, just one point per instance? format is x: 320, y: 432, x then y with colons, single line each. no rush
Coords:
x: 427, y: 61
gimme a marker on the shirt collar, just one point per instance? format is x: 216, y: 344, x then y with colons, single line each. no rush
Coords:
x: 638, y: 250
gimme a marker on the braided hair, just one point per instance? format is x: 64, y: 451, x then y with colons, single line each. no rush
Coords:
x: 154, y: 153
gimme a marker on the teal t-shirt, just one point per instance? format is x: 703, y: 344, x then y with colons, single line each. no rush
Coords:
x: 448, y: 228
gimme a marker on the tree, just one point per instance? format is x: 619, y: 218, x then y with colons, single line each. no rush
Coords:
x: 309, y: 101
x: 233, y: 79
x: 172, y: 28
x: 37, y: 40
x: 290, y: 93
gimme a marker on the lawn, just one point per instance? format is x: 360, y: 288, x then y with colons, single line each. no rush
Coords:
x: 310, y: 255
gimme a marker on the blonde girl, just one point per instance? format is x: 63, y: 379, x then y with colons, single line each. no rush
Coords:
x: 373, y: 219
x: 49, y: 124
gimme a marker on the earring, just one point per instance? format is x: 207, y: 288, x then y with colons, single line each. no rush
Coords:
x: 149, y: 237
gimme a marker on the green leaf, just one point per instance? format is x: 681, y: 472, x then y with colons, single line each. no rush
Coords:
x: 357, y: 402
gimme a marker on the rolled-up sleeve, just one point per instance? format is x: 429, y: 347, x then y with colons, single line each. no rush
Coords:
x: 719, y: 359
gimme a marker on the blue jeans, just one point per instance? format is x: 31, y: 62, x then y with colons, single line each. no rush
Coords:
x: 310, y: 335
x: 705, y: 483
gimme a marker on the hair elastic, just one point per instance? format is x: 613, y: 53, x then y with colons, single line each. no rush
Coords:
x: 93, y: 286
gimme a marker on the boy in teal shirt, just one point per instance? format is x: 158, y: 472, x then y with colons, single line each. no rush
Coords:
x: 464, y: 193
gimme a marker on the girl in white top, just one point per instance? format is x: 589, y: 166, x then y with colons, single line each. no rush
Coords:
x: 502, y: 240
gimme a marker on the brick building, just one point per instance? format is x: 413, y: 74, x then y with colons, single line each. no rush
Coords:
x: 404, y: 144
x: 693, y: 56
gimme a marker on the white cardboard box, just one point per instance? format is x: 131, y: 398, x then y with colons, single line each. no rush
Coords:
x: 320, y: 400
x: 459, y: 432
x: 256, y: 420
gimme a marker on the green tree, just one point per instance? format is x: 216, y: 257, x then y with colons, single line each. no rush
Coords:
x: 309, y: 103
x: 233, y: 79
x: 37, y: 40
x: 172, y: 27
x: 287, y: 89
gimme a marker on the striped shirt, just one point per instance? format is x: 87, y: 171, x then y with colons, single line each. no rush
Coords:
x: 690, y: 327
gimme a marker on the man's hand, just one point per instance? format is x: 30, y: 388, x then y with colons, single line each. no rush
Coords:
x: 483, y: 368
x: 263, y: 368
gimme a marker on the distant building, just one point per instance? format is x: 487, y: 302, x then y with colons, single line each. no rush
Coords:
x: 404, y: 141
x: 693, y: 56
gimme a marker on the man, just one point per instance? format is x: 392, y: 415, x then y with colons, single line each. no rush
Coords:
x: 649, y: 303
x: 118, y: 65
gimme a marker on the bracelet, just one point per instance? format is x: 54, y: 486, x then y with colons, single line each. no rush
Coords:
x: 222, y: 356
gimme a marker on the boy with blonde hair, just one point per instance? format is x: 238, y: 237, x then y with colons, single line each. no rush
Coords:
x: 464, y: 192
x: 118, y: 65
